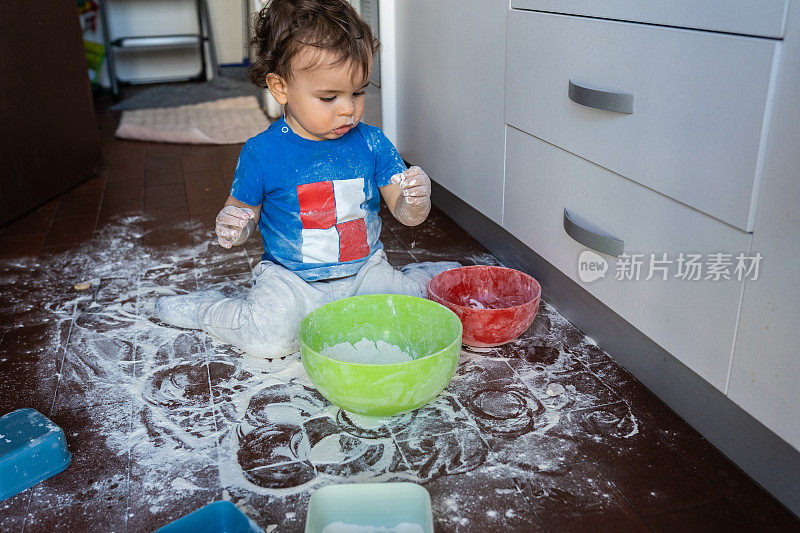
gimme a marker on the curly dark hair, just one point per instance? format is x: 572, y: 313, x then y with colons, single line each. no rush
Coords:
x: 284, y: 27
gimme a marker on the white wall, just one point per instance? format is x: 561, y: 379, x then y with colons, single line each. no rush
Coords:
x: 450, y: 83
x: 227, y: 21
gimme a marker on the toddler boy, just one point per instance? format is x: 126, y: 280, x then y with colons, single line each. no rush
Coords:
x: 311, y: 182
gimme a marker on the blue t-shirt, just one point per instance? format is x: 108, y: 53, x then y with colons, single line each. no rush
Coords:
x: 319, y: 199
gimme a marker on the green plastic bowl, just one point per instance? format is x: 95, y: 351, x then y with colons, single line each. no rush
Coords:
x: 429, y: 332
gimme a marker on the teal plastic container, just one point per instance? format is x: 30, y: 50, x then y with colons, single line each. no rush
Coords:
x: 217, y: 517
x: 370, y: 504
x: 429, y: 332
x: 32, y: 448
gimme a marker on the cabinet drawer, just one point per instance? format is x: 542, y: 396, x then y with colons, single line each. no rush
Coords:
x: 700, y: 102
x: 693, y: 320
x: 765, y: 18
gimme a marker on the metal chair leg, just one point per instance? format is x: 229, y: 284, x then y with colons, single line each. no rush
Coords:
x: 110, y: 59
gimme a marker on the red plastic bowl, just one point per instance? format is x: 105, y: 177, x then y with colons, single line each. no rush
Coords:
x: 495, y: 304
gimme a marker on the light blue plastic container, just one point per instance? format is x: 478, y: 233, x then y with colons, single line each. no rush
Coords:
x: 32, y: 448
x: 217, y: 517
x: 370, y: 504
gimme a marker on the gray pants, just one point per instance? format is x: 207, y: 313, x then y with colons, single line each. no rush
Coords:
x: 266, y: 321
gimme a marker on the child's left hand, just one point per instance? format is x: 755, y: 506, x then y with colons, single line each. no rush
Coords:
x: 416, y: 186
x: 414, y: 203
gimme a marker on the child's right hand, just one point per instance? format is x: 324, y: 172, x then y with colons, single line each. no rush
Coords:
x: 234, y: 225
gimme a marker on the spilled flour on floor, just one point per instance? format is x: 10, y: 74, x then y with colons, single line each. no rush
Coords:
x: 199, y: 419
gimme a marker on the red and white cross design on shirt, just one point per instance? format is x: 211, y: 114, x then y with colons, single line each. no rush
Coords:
x: 334, y: 225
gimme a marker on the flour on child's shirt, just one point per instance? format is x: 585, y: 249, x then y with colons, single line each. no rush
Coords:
x: 320, y: 199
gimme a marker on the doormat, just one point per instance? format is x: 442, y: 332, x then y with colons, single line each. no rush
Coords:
x: 177, y: 94
x: 225, y: 121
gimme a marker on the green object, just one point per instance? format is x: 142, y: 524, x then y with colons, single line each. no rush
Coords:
x: 95, y: 55
x: 370, y: 504
x: 429, y: 332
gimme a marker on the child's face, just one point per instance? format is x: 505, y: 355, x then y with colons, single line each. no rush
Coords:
x: 323, y: 102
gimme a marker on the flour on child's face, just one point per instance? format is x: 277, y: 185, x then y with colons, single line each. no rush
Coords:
x: 324, y: 97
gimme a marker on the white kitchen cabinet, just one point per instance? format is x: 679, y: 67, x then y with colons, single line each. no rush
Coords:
x: 713, y: 116
x: 700, y: 102
x: 708, y: 162
x: 764, y: 18
x: 450, y: 86
x: 694, y: 320
x: 765, y: 376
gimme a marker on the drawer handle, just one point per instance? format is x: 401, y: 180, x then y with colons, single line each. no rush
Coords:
x: 590, y: 235
x: 600, y: 99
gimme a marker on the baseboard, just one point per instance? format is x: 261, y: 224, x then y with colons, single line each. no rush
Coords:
x: 768, y: 459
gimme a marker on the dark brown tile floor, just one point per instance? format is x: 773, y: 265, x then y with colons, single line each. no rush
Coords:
x: 162, y: 421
